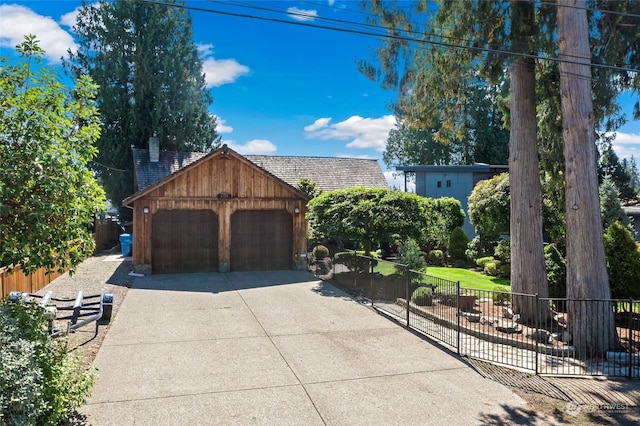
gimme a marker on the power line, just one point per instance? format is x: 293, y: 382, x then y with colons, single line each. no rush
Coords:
x: 444, y: 44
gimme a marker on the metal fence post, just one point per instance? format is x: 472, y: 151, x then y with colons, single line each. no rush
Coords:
x: 630, y: 331
x: 458, y: 316
x: 408, y: 296
x: 537, y: 352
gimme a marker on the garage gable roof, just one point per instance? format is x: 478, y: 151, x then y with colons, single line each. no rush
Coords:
x: 330, y: 173
x: 151, y: 175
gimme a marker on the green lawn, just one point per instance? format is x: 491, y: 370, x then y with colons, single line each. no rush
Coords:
x: 467, y: 278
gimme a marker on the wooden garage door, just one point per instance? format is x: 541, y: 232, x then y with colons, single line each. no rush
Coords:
x: 261, y: 240
x: 184, y: 241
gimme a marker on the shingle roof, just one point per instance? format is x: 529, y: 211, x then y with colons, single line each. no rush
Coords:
x: 328, y: 172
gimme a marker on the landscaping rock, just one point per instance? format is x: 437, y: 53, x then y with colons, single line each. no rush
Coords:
x: 508, y: 327
x: 472, y: 317
x: 540, y: 336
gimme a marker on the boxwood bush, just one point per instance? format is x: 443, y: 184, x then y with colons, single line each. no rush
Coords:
x: 40, y: 382
x: 422, y: 296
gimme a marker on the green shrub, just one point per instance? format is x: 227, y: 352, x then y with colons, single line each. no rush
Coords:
x: 409, y: 254
x: 482, y: 261
x: 458, y: 242
x: 505, y: 270
x: 436, y: 258
x: 623, y: 261
x: 492, y: 268
x: 320, y: 252
x: 556, y: 266
x: 353, y: 262
x: 480, y: 246
x: 502, y: 252
x: 422, y: 296
x: 40, y: 383
x: 501, y: 297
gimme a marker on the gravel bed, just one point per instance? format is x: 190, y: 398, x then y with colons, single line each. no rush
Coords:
x: 105, y: 272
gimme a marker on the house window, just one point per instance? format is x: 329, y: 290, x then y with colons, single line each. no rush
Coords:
x: 448, y: 184
x: 439, y: 185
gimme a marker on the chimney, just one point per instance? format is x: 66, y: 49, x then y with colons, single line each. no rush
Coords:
x: 154, y: 149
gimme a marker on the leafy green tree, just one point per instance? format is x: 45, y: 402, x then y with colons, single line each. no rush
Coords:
x: 489, y: 210
x: 458, y: 242
x: 623, y: 261
x: 409, y: 146
x: 610, y: 207
x: 409, y: 254
x: 48, y: 196
x: 610, y: 166
x: 309, y: 187
x: 441, y: 216
x: 369, y: 215
x: 150, y: 80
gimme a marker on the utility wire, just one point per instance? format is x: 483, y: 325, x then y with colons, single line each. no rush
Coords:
x: 443, y: 44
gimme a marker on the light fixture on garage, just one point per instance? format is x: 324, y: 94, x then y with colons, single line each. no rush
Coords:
x: 296, y: 210
x: 145, y: 210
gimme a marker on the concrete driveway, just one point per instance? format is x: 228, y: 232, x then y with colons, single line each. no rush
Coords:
x: 278, y: 348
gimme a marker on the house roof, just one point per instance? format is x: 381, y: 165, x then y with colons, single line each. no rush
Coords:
x: 330, y: 173
x: 170, y: 164
x: 473, y: 168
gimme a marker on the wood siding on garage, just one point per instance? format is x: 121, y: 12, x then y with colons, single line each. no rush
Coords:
x: 222, y: 185
x: 261, y: 240
x: 185, y: 241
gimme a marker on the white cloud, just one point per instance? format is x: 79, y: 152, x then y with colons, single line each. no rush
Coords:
x: 362, y: 132
x: 221, y: 126
x: 302, y: 14
x: 318, y: 124
x: 205, y: 49
x: 18, y: 21
x: 69, y: 19
x: 331, y: 2
x: 222, y: 71
x: 256, y: 146
x: 627, y: 144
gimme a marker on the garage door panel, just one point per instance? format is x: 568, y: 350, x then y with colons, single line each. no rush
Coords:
x: 261, y: 240
x: 185, y: 241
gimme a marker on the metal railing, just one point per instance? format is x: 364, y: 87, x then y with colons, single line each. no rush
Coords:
x: 547, y: 336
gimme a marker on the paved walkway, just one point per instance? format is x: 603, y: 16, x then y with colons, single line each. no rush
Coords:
x: 278, y: 348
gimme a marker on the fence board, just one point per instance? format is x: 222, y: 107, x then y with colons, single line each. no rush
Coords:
x: 18, y: 281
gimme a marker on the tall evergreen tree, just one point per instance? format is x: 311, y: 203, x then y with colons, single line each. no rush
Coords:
x: 150, y: 80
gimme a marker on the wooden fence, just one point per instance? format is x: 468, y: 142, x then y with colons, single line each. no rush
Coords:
x: 105, y: 235
x: 18, y: 281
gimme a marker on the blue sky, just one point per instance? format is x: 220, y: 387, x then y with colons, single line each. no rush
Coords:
x: 279, y: 89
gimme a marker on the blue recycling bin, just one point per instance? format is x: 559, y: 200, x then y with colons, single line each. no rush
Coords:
x: 126, y: 242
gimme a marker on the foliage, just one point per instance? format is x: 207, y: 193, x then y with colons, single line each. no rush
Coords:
x: 320, y: 252
x: 610, y: 207
x: 481, y: 261
x: 620, y: 176
x: 458, y: 242
x: 309, y: 187
x: 503, y: 252
x: 151, y: 81
x: 623, y: 261
x: 480, y: 246
x: 409, y: 146
x: 354, y: 262
x: 489, y: 209
x: 40, y: 383
x: 500, y: 296
x: 369, y: 215
x: 409, y: 254
x: 441, y: 216
x: 422, y: 296
x: 492, y: 268
x: 556, y: 266
x: 436, y: 258
x: 47, y: 134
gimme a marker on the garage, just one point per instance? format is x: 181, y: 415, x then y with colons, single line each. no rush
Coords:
x: 261, y: 240
x: 184, y: 241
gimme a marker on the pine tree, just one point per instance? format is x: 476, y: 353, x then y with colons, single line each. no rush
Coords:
x: 150, y: 80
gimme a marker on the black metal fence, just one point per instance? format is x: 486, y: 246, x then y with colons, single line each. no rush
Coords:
x: 547, y: 336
